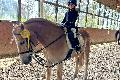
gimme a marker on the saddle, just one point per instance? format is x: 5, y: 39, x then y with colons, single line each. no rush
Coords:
x: 74, y: 41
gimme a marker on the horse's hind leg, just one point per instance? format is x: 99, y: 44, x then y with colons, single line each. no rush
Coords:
x: 48, y: 72
x: 86, y: 56
x: 79, y: 63
x: 86, y: 66
x: 59, y: 71
x: 76, y: 68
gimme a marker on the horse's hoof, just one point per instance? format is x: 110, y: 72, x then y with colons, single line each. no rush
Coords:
x: 118, y: 43
x: 75, y: 76
x: 85, y: 78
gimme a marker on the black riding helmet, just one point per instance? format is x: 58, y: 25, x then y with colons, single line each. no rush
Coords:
x: 73, y: 2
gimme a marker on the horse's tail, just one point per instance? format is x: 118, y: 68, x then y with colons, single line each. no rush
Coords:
x: 88, y: 43
x: 116, y: 34
x: 87, y: 46
x: 86, y: 37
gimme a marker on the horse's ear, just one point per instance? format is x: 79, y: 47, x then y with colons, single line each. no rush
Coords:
x: 15, y: 25
x: 22, y: 26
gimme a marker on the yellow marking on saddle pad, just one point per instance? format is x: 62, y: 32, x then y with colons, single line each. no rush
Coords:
x: 26, y: 34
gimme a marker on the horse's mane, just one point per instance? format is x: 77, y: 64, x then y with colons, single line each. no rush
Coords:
x: 40, y: 20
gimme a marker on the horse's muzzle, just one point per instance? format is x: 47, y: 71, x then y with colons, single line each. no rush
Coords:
x: 26, y: 58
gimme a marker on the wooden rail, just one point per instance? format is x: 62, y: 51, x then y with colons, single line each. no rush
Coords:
x: 101, y: 35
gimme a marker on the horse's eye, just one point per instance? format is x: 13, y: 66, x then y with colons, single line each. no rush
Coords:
x: 22, y: 42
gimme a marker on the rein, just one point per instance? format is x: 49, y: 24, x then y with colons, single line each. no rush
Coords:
x: 50, y: 43
x: 42, y: 61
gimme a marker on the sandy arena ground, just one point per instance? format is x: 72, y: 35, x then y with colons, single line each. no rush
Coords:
x: 104, y: 64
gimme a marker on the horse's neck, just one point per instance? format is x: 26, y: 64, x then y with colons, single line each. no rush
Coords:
x: 47, y: 33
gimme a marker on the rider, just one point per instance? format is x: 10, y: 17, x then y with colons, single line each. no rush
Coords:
x: 69, y: 23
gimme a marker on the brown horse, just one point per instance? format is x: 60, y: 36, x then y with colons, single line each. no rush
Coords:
x: 44, y: 32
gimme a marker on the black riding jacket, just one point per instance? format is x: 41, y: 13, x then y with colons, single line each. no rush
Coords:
x: 70, y: 18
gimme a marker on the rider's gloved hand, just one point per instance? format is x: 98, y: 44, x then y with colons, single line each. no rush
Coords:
x: 61, y: 25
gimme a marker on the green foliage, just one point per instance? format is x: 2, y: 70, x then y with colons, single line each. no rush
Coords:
x: 23, y: 19
x: 8, y: 9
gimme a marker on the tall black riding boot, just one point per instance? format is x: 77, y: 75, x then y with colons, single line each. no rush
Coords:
x: 77, y: 47
x: 69, y: 54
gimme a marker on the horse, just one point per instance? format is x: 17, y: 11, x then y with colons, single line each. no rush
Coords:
x: 42, y: 31
x: 117, y: 36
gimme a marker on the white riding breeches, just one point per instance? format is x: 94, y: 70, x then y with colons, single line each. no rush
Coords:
x: 74, y: 32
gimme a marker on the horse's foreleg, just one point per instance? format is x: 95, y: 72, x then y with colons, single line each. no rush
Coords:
x: 59, y: 71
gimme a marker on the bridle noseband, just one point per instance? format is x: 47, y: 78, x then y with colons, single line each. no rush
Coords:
x: 26, y: 52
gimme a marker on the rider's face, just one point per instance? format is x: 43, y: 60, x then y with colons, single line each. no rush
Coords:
x: 71, y: 6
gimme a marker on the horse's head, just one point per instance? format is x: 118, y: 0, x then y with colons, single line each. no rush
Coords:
x: 21, y: 37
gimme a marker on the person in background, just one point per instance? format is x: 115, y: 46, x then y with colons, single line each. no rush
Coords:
x: 117, y: 36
